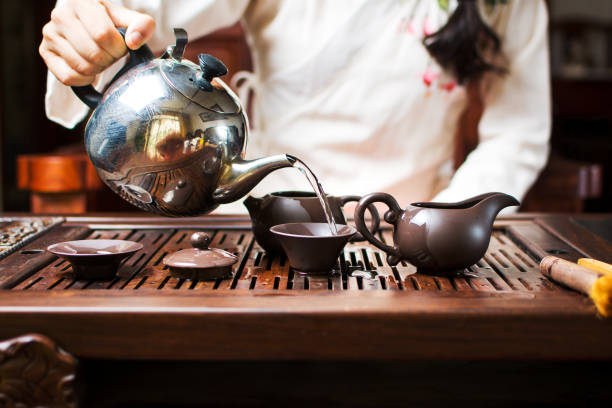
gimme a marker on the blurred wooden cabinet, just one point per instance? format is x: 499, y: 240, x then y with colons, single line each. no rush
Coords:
x: 58, y: 183
x: 565, y: 186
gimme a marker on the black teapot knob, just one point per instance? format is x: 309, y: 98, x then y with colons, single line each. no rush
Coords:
x: 200, y: 240
x: 211, y: 67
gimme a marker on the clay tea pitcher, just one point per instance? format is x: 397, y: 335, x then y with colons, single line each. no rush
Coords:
x: 436, y: 237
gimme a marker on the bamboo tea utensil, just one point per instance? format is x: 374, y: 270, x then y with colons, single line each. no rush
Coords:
x: 592, y: 282
x: 595, y: 265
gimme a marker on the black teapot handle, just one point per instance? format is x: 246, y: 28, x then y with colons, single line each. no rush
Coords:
x: 375, y: 221
x: 91, y: 97
x: 391, y: 216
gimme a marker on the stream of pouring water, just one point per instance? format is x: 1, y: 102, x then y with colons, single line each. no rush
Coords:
x: 318, y: 189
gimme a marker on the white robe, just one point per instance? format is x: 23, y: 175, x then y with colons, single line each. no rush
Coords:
x: 347, y: 86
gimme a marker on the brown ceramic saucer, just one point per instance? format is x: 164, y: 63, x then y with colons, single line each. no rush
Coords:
x: 96, y: 259
x: 201, y: 262
x: 310, y: 246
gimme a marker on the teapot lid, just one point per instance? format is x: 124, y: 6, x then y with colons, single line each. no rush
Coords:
x: 198, y: 83
x: 200, y: 256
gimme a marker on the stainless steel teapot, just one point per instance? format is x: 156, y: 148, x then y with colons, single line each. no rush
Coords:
x: 169, y: 137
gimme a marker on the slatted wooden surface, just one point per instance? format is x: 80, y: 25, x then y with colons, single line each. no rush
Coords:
x: 505, y: 267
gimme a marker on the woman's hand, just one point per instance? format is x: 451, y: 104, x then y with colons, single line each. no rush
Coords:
x: 82, y: 40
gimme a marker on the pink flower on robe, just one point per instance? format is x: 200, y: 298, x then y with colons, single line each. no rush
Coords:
x: 429, y: 76
x: 411, y: 28
x: 449, y: 86
x: 407, y: 25
x: 427, y: 27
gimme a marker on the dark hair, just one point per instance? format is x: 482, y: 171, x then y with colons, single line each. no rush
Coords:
x: 459, y: 45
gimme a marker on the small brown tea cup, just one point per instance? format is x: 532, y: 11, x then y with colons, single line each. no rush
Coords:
x: 284, y: 207
x: 97, y: 259
x: 310, y: 246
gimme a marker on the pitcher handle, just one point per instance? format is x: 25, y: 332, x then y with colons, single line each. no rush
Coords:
x: 393, y: 253
x: 375, y: 221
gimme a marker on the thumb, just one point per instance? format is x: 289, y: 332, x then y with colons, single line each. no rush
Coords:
x: 139, y: 26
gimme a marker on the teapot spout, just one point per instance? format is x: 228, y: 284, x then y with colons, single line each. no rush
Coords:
x: 253, y: 205
x: 243, y: 175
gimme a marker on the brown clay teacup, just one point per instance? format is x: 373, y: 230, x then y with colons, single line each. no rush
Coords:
x: 97, y: 259
x: 285, y: 207
x: 310, y: 246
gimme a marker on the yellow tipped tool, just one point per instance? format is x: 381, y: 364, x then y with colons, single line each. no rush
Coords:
x: 589, y: 280
x: 595, y: 265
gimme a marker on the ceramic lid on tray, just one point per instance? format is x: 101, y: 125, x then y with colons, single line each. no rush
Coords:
x: 201, y: 257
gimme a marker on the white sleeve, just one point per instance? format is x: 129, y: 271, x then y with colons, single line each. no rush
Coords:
x: 515, y: 126
x: 197, y: 17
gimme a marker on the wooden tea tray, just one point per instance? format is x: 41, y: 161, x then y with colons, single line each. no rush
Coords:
x: 369, y: 335
x: 501, y: 308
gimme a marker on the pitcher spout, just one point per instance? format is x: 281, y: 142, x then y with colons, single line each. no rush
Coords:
x: 492, y: 203
x: 243, y: 175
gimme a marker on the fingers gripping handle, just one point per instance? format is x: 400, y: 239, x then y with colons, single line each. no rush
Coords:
x: 90, y: 96
x: 375, y: 221
x: 393, y: 254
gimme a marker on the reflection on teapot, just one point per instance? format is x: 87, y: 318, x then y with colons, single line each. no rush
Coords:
x: 285, y: 207
x: 170, y: 137
x: 165, y: 139
x: 437, y: 236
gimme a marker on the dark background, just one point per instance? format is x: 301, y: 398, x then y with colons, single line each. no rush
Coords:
x: 581, y: 64
x: 24, y: 127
